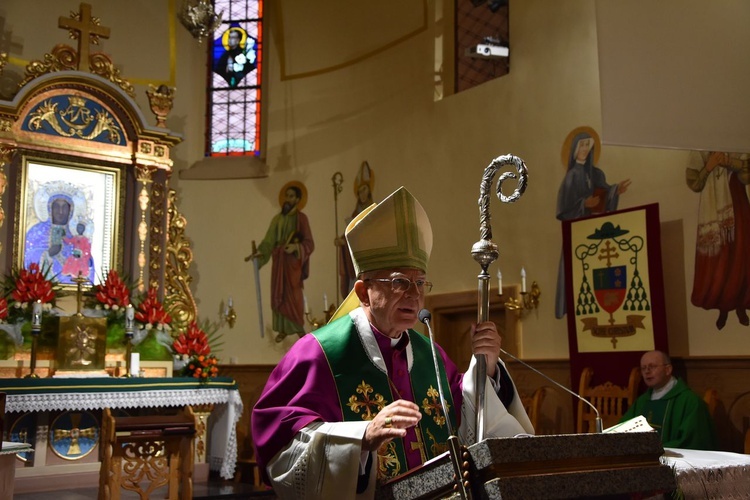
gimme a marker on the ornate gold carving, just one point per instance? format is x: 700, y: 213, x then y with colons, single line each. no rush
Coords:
x: 6, y: 154
x: 159, y: 150
x: 145, y: 147
x: 160, y: 100
x: 62, y: 58
x: 3, y: 61
x: 6, y: 124
x: 145, y: 174
x: 377, y: 402
x: 103, y: 66
x: 156, y: 237
x: 142, y: 173
x: 182, y: 306
x: 74, y: 120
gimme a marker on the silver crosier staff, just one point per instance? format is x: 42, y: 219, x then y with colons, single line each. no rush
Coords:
x: 485, y: 252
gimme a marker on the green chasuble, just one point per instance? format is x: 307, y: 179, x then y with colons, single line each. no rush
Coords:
x: 681, y: 417
x: 364, y: 389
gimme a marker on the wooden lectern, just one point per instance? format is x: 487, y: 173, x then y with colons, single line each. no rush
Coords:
x: 614, y: 465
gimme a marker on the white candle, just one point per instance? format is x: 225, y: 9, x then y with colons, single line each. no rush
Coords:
x: 36, y: 313
x: 135, y: 364
x: 307, y: 309
x: 523, y: 280
x: 230, y: 304
x: 129, y: 316
x: 499, y: 282
x: 325, y: 302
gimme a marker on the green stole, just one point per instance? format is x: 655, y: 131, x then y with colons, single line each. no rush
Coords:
x: 364, y: 390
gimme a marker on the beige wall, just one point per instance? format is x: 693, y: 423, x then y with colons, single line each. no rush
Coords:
x: 382, y: 110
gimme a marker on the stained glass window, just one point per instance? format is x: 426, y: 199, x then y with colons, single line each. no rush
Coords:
x: 235, y: 79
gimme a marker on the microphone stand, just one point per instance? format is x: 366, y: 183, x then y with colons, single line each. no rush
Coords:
x: 453, y: 443
x: 485, y: 252
x: 599, y: 425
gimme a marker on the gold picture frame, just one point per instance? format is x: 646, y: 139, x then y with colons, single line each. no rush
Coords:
x: 68, y: 218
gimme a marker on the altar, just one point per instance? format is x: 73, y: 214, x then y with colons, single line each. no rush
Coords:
x: 61, y: 419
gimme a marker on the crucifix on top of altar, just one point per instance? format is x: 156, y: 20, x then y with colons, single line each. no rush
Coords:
x: 85, y: 197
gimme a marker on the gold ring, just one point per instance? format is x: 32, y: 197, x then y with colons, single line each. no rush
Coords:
x: 388, y: 422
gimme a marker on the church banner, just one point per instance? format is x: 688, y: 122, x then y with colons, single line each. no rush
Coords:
x: 614, y: 289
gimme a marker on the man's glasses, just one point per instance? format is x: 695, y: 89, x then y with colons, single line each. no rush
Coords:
x: 649, y: 368
x: 401, y: 285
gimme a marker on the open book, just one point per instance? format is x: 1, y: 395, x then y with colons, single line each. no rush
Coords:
x: 637, y: 424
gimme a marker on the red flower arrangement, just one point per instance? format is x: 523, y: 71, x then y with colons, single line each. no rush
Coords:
x: 24, y: 287
x: 32, y: 285
x: 113, y: 294
x: 192, y: 347
x: 151, y: 313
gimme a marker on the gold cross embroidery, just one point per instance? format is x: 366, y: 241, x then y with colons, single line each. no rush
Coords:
x: 419, y: 445
x: 377, y: 402
x: 433, y: 404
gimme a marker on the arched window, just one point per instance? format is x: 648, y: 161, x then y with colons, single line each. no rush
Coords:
x: 235, y: 69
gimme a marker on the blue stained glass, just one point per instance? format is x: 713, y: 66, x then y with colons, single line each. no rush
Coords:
x: 235, y: 58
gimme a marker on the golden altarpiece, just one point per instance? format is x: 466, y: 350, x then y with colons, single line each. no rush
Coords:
x: 73, y: 131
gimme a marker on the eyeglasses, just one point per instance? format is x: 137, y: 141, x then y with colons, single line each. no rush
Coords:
x: 400, y: 285
x: 649, y: 368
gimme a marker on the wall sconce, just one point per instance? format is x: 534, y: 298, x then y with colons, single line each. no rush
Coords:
x: 529, y: 300
x: 230, y: 316
x: 199, y: 18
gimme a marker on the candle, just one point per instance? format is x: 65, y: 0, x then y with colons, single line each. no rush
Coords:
x: 129, y: 316
x: 325, y: 302
x: 307, y: 309
x: 499, y: 282
x: 229, y: 302
x: 36, y: 314
x: 523, y: 280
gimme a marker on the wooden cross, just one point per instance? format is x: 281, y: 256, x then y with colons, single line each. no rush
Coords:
x: 86, y: 28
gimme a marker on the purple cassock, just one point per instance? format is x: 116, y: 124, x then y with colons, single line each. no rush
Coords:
x: 301, y: 389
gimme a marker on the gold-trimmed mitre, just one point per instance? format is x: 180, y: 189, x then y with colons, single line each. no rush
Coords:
x: 393, y: 233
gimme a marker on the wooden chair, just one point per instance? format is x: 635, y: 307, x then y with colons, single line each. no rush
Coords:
x: 611, y: 400
x: 246, y: 465
x: 711, y: 397
x: 142, y: 454
x: 747, y: 442
x: 533, y: 406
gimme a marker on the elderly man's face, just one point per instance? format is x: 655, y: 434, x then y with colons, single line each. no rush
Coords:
x: 391, y: 312
x: 656, y: 372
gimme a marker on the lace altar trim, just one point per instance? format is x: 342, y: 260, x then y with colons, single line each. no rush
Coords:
x: 101, y: 400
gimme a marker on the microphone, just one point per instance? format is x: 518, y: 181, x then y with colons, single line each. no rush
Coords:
x: 425, y: 317
x: 453, y: 444
x: 599, y: 425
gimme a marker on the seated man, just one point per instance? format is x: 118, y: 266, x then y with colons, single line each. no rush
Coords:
x: 356, y: 401
x: 679, y: 415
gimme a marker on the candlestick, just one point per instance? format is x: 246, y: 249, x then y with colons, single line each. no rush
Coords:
x: 523, y: 280
x: 499, y: 282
